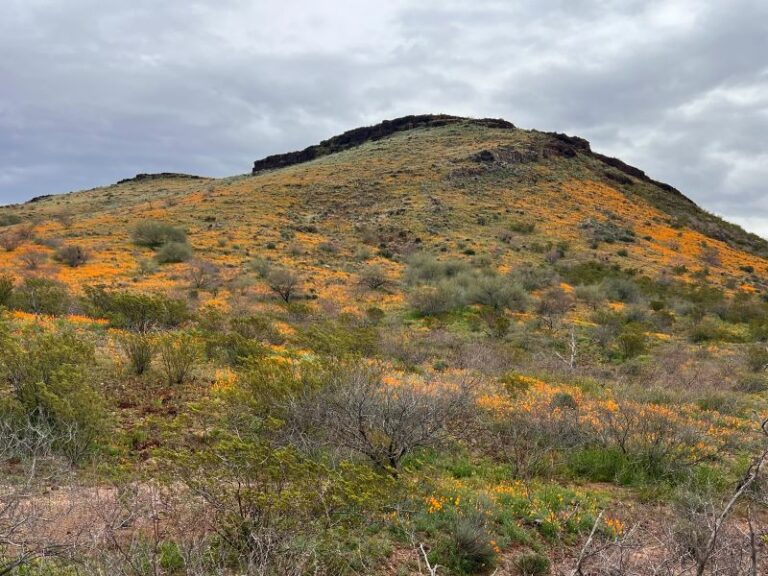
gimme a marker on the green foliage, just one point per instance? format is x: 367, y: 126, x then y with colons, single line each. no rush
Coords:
x: 532, y: 564
x: 425, y: 268
x: 632, y: 341
x: 469, y: 549
x: 498, y: 293
x: 50, y: 375
x: 339, y: 338
x: 9, y: 219
x: 442, y: 298
x: 621, y: 289
x: 173, y: 253
x: 6, y: 290
x: 135, y: 311
x: 139, y: 348
x: 154, y: 234
x: 179, y: 353
x: 41, y: 296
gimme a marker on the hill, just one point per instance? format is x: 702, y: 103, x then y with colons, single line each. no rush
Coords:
x: 436, y: 340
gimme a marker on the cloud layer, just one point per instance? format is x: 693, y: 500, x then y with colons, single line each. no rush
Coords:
x: 96, y: 91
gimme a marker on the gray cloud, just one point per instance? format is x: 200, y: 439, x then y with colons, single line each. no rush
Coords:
x: 95, y: 91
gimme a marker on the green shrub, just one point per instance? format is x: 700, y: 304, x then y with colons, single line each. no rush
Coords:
x: 153, y: 234
x: 757, y: 356
x: 632, y: 341
x: 425, y: 268
x: 9, y: 219
x: 445, y: 297
x: 173, y: 253
x: 469, y: 550
x: 41, y: 296
x: 621, y: 289
x: 179, y: 353
x: 6, y: 290
x: 532, y: 564
x: 139, y: 348
x: 134, y: 311
x: 498, y: 293
x: 50, y: 376
x: 340, y: 339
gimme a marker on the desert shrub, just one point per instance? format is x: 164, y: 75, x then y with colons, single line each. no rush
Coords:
x: 71, y: 255
x: 498, y: 293
x: 173, y: 253
x: 9, y: 219
x: 179, y: 353
x: 231, y: 347
x: 522, y: 226
x: 656, y: 441
x: 154, y: 234
x: 49, y: 373
x: 708, y: 330
x: 444, y: 297
x: 9, y: 241
x: 374, y: 278
x: 134, y: 311
x: 337, y: 338
x: 743, y: 308
x: 621, y: 289
x: 592, y: 295
x: 284, y: 283
x: 257, y: 328
x: 41, y: 296
x: 632, y: 341
x: 606, y: 231
x: 756, y: 356
x: 6, y: 290
x: 261, y: 266
x: 532, y: 564
x: 469, y: 549
x: 203, y: 275
x: 425, y: 268
x: 532, y: 277
x: 139, y: 348
x: 356, y: 410
x: 33, y: 259
x: 553, y: 304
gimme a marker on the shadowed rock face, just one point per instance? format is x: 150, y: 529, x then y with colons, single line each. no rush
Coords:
x: 358, y: 136
x: 160, y: 176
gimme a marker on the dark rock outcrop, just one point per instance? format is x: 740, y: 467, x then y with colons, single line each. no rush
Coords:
x: 160, y: 176
x: 358, y: 136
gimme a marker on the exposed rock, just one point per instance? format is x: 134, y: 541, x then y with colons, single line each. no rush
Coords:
x: 359, y: 136
x: 160, y: 176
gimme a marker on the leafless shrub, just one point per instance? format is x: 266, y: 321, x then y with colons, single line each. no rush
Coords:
x: 203, y: 275
x: 10, y: 241
x: 284, y: 283
x: 358, y: 411
x: 33, y: 259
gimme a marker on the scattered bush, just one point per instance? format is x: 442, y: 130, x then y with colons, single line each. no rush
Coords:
x: 284, y: 283
x: 50, y: 376
x: 139, y: 348
x: 374, y: 278
x: 135, y: 311
x: 33, y: 259
x: 498, y: 293
x: 173, y: 253
x: 179, y: 353
x: 41, y: 296
x: 6, y: 290
x: 357, y: 410
x: 71, y: 255
x: 153, y: 234
x: 532, y: 564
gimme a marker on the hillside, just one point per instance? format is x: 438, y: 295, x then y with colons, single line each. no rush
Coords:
x: 456, y: 187
x: 435, y: 340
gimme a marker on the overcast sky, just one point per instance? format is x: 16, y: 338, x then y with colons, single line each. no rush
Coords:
x: 92, y: 91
